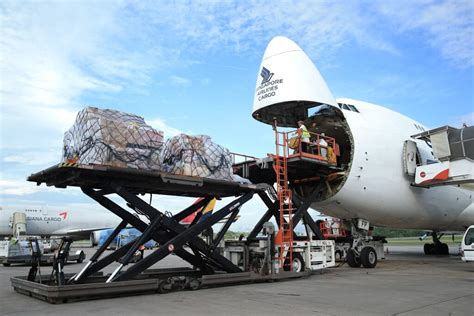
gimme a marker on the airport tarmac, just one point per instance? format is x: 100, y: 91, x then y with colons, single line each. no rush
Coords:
x: 406, y: 283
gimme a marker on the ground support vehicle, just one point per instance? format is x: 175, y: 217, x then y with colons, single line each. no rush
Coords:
x: 210, y: 265
x: 467, y: 245
x: 23, y: 250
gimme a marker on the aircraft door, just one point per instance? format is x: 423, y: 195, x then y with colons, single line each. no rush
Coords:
x: 411, y: 157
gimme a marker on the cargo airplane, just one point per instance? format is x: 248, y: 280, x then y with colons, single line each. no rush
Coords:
x: 44, y: 222
x: 377, y: 153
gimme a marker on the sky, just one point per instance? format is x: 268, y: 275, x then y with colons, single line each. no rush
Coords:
x: 191, y: 66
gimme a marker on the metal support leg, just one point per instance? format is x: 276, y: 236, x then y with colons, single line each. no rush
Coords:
x: 273, y: 209
x: 183, y: 237
x: 302, y: 211
x: 224, y: 228
x: 314, y: 228
x: 265, y: 218
x: 36, y: 260
x: 270, y: 204
x: 60, y: 260
x: 193, y: 240
x: 303, y: 204
x: 99, y: 251
x: 160, y: 237
x: 146, y: 235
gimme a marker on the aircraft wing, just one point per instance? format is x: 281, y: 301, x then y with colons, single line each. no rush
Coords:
x: 77, y: 233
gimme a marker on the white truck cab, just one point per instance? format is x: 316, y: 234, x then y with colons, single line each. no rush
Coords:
x: 467, y: 245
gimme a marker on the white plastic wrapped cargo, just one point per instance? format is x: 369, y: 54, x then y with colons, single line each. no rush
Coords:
x: 196, y: 156
x: 113, y: 138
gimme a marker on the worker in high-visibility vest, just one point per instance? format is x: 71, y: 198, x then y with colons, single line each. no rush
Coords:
x: 304, y: 134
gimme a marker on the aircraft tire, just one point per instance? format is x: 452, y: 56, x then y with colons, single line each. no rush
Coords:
x: 444, y: 249
x: 92, y: 239
x: 368, y: 257
x: 352, y: 260
x: 81, y: 258
x: 338, y: 255
x: 428, y: 249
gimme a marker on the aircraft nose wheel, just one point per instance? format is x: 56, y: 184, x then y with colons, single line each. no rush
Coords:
x: 352, y: 259
x: 368, y: 257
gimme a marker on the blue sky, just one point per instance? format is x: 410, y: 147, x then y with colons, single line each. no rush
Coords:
x: 191, y: 66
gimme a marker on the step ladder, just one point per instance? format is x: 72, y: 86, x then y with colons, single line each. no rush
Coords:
x: 284, y: 195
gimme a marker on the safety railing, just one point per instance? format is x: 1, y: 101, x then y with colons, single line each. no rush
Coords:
x: 241, y: 158
x: 319, y: 147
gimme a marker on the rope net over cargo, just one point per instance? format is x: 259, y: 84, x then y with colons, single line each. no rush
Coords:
x: 196, y: 156
x: 113, y: 138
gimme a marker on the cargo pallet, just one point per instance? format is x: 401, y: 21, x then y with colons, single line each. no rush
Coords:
x: 210, y: 266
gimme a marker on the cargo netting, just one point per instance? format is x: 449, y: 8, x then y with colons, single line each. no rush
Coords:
x: 112, y: 138
x: 196, y: 156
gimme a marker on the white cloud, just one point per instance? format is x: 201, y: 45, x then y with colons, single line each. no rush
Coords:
x: 320, y: 26
x: 18, y: 187
x: 459, y: 121
x: 41, y: 156
x: 180, y: 81
x: 161, y: 125
x: 447, y: 25
x: 53, y: 53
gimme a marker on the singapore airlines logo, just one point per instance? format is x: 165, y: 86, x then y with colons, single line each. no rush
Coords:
x: 266, y: 75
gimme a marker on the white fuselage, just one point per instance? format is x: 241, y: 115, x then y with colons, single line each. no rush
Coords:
x: 377, y: 188
x: 43, y: 222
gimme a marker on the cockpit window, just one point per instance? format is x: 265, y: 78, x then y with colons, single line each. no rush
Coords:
x: 353, y: 108
x: 348, y: 107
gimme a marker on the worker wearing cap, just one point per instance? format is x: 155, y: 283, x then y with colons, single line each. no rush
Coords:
x: 323, y: 146
x: 304, y: 134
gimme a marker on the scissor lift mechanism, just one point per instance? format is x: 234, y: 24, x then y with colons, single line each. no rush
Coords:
x: 209, y: 266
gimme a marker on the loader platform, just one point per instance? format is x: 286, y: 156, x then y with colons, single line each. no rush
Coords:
x: 196, y: 243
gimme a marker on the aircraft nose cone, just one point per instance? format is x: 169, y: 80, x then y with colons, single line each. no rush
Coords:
x: 280, y: 45
x: 288, y: 84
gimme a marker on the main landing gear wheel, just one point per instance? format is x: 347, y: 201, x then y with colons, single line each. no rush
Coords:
x: 368, y: 257
x: 436, y: 249
x: 444, y: 249
x: 352, y: 259
x: 428, y: 249
x: 298, y: 263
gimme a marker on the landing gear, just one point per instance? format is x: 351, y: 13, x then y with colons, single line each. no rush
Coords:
x: 437, y: 247
x: 353, y: 260
x: 364, y: 250
x: 368, y: 257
